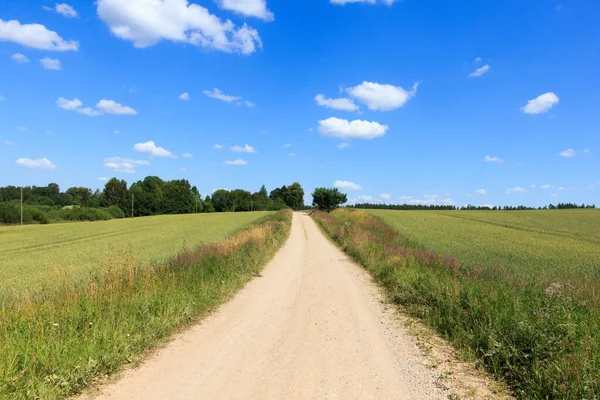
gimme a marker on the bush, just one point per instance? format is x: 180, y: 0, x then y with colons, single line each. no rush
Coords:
x: 9, y: 213
x: 115, y: 212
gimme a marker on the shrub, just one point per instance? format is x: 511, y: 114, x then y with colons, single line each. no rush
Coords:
x: 115, y: 212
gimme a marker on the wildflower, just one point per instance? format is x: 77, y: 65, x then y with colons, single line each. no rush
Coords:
x: 55, y: 324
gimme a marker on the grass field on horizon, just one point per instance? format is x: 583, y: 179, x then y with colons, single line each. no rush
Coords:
x: 34, y: 254
x: 537, y: 246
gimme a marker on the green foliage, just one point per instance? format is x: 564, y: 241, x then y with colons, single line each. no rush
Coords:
x: 292, y: 196
x: 10, y: 213
x: 544, y: 341
x: 54, y: 343
x: 326, y: 199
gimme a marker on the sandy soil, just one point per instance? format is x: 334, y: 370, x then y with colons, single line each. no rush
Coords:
x: 313, y: 326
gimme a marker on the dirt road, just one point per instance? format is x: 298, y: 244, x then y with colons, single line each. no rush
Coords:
x: 312, y: 327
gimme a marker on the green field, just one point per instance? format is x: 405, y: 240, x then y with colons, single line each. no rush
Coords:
x: 30, y: 255
x: 538, y: 247
x: 517, y: 291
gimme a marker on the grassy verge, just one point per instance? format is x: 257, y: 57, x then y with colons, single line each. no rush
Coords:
x: 54, y: 346
x: 543, y: 343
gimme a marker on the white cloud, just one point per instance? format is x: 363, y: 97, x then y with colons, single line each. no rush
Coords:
x: 125, y: 165
x: 567, y: 153
x: 497, y: 160
x: 184, y: 96
x: 357, y: 129
x: 291, y: 154
x: 586, y: 151
x: 554, y: 195
x: 365, y: 198
x: 337, y: 104
x: 183, y: 169
x: 346, y: 185
x: 287, y: 145
x: 9, y: 143
x: 112, y: 107
x: 343, y: 146
x: 382, y: 97
x: 516, y: 189
x: 548, y: 187
x: 478, y: 60
x: 103, y: 179
x: 51, y: 63
x: 428, y: 199
x: 217, y: 94
x: 42, y: 163
x: 218, y: 146
x: 248, y: 8
x: 479, y: 71
x: 541, y: 104
x: 35, y: 36
x: 2, y: 98
x: 117, y: 132
x: 245, y: 149
x: 152, y: 149
x: 22, y: 128
x: 20, y: 58
x: 147, y: 22
x: 239, y: 162
x: 63, y: 9
x: 246, y: 103
x: 385, y: 196
x: 344, y: 2
x: 187, y: 155
x: 103, y: 107
x: 480, y: 192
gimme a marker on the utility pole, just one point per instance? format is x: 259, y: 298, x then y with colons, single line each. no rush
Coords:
x: 131, y: 205
x: 21, y: 205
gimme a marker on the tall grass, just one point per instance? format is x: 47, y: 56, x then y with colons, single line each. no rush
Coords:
x: 54, y: 345
x: 544, y: 343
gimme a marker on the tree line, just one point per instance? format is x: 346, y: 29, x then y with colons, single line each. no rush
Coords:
x: 378, y: 206
x: 150, y: 196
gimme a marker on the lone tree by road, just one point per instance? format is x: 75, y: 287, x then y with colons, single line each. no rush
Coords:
x: 326, y: 199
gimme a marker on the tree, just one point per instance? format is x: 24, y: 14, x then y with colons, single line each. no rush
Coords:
x: 241, y: 200
x: 115, y: 194
x: 220, y: 201
x: 260, y: 199
x: 178, y: 197
x: 326, y: 199
x: 294, y: 196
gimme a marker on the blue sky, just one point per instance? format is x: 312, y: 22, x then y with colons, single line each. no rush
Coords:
x: 399, y: 101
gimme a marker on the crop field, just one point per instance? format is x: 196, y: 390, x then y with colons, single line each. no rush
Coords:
x: 537, y: 247
x: 518, y: 291
x: 33, y: 254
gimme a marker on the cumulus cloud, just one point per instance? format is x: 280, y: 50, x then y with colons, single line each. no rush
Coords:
x: 124, y: 165
x: 51, y: 63
x: 42, y: 163
x: 480, y: 192
x: 248, y: 8
x: 479, y: 71
x: 343, y: 146
x: 337, y: 104
x: 152, y: 149
x: 184, y: 96
x: 35, y: 36
x: 187, y: 155
x: 357, y: 129
x: 541, y: 104
x: 244, y: 149
x: 147, y: 22
x: 567, y: 153
x: 380, y: 97
x: 63, y: 9
x: 347, y: 185
x: 20, y: 58
x: 478, y: 60
x: 217, y: 94
x: 218, y: 146
x: 238, y: 162
x: 516, y: 189
x: 497, y: 160
x: 103, y: 107
x: 246, y: 103
x: 385, y: 196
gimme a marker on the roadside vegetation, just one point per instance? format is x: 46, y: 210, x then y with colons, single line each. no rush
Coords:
x: 536, y: 328
x: 55, y: 343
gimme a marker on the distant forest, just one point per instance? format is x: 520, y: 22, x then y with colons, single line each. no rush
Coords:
x: 559, y: 206
x: 150, y: 196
